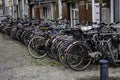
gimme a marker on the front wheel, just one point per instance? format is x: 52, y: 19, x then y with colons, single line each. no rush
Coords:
x: 36, y: 47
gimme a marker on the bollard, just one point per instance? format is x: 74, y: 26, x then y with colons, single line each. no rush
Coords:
x: 103, y: 69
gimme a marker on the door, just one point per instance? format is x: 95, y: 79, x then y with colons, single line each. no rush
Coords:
x: 47, y: 11
x: 75, y: 18
x: 74, y: 14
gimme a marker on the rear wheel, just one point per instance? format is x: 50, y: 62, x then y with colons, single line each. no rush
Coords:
x: 48, y: 45
x: 18, y: 33
x: 6, y: 32
x: 62, y: 52
x: 13, y: 33
x: 27, y: 37
x: 54, y: 49
x: 77, y: 56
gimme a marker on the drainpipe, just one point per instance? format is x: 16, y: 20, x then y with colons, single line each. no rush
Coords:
x: 3, y: 6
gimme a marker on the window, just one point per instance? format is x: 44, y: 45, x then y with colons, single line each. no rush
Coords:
x: 47, y: 12
x: 96, y: 1
x: 74, y: 14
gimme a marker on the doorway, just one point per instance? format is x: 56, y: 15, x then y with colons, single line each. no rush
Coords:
x: 74, y: 14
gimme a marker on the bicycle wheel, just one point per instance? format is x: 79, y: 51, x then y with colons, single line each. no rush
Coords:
x: 18, y: 33
x: 13, y: 33
x: 6, y: 33
x: 48, y: 45
x: 62, y: 52
x: 27, y: 37
x: 36, y: 47
x: 54, y: 49
x: 77, y: 57
x: 113, y: 51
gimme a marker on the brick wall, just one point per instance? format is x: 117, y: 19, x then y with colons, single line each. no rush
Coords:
x: 85, y: 11
x: 65, y: 11
x: 82, y: 13
x: 37, y: 11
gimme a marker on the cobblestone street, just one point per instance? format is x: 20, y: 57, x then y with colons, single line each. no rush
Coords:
x: 17, y: 64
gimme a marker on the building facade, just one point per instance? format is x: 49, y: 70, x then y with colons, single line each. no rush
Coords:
x: 49, y: 9
x: 91, y: 10
x: 73, y: 10
x: 43, y: 9
x: 1, y: 11
x: 16, y: 8
x: 110, y: 11
x: 77, y: 10
x: 34, y: 10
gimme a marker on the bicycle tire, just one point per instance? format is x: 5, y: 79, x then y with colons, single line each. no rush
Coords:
x: 114, y: 51
x: 54, y: 49
x: 18, y: 33
x: 48, y: 45
x: 62, y: 52
x: 81, y: 60
x: 6, y: 32
x: 13, y: 33
x: 26, y: 38
x: 31, y: 46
